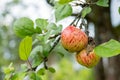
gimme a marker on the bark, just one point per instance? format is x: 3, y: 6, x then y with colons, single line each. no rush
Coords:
x: 104, y: 31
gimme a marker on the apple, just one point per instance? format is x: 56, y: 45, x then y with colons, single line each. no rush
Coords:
x: 73, y: 39
x: 88, y: 60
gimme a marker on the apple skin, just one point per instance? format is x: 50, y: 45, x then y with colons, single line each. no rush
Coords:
x: 73, y: 39
x: 88, y: 60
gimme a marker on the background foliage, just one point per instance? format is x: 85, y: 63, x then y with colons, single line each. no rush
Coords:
x: 9, y: 43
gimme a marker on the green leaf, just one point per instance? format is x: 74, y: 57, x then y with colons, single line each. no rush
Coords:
x: 41, y: 71
x: 119, y: 10
x: 24, y: 67
x: 41, y: 23
x: 38, y: 30
x: 64, y: 1
x: 108, y: 49
x: 25, y: 48
x: 24, y: 27
x: 60, y: 50
x: 61, y: 54
x: 36, y: 55
x: 54, y: 30
x: 9, y: 69
x: 19, y: 76
x: 41, y: 39
x: 63, y: 11
x: 34, y: 76
x: 46, y: 48
x: 58, y: 30
x: 103, y: 3
x: 86, y: 11
x: 51, y: 69
x: 52, y: 26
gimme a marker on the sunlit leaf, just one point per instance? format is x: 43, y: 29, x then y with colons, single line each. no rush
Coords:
x: 86, y: 11
x: 64, y: 1
x: 18, y: 76
x: 63, y: 11
x: 25, y: 48
x: 103, y: 3
x: 24, y: 27
x: 108, y: 49
x: 9, y: 69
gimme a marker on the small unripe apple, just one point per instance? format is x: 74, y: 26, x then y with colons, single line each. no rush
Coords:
x: 73, y: 39
x: 88, y: 60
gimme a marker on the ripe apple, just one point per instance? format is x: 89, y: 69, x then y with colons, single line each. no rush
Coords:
x: 88, y: 60
x: 73, y: 39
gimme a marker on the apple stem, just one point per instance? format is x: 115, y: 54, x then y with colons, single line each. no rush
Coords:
x: 77, y: 17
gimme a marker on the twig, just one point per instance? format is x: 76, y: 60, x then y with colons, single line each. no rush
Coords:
x: 46, y: 59
x: 29, y: 64
x: 54, y: 36
x: 55, y: 43
x: 45, y: 65
x: 79, y: 15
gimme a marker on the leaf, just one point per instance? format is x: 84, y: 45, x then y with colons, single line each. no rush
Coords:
x: 34, y: 76
x: 64, y: 1
x: 86, y: 11
x: 24, y: 27
x: 36, y: 55
x: 9, y: 69
x: 41, y: 71
x: 54, y: 30
x: 38, y: 30
x: 52, y: 70
x: 63, y: 11
x: 103, y: 3
x: 119, y: 10
x: 60, y: 50
x: 108, y: 49
x: 46, y: 48
x: 52, y: 26
x: 61, y: 54
x: 19, y: 76
x: 25, y: 48
x: 58, y: 30
x: 41, y: 23
x: 24, y: 67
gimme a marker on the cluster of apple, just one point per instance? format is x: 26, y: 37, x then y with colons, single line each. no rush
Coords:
x: 77, y: 41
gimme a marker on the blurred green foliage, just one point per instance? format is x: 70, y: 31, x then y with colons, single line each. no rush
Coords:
x: 66, y: 71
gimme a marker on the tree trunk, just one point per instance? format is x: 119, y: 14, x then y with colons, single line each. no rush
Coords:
x: 108, y: 68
